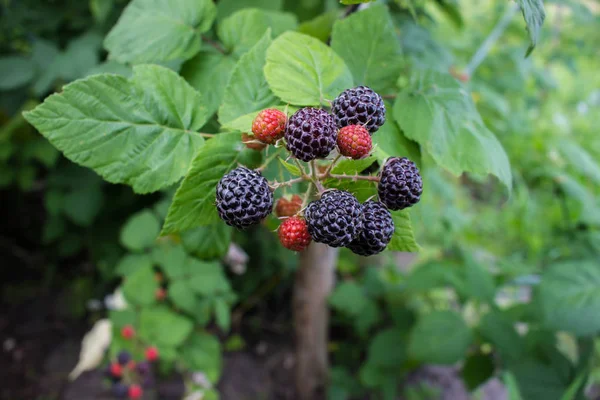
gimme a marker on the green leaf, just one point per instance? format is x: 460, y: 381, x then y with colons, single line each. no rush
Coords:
x: 441, y: 337
x: 222, y: 314
x: 208, y: 242
x: 387, y: 349
x: 291, y: 168
x: 247, y: 90
x: 433, y: 275
x: 352, y: 167
x: 208, y: 72
x: 321, y: 26
x: 534, y: 14
x: 368, y: 43
x: 403, y: 238
x: 242, y: 30
x: 140, y: 131
x: 161, y: 326
x: 479, y: 282
x: 227, y: 7
x: 438, y: 113
x: 580, y: 159
x: 194, y: 201
x: 569, y: 297
x: 391, y: 142
x: 355, y: 1
x: 160, y: 30
x: 348, y: 298
x: 207, y: 279
x: 15, y: 71
x: 512, y: 387
x: 171, y: 258
x: 537, y: 381
x: 182, y: 296
x: 302, y: 70
x: 477, y: 369
x: 203, y: 353
x: 82, y: 205
x: 130, y: 263
x: 498, y: 329
x: 140, y: 231
x: 140, y: 287
x: 101, y: 9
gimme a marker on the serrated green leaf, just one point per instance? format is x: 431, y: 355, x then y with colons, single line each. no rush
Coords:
x: 227, y: 7
x: 301, y: 70
x: 209, y: 72
x: 438, y: 113
x: 569, y: 297
x: 441, y: 337
x: 159, y: 30
x: 208, y: 242
x: 203, y: 353
x: 291, y: 168
x: 248, y: 90
x: 140, y: 131
x: 352, y: 167
x: 403, y: 238
x: 321, y: 26
x: 182, y: 296
x: 194, y: 201
x: 140, y: 231
x: 161, y: 326
x: 242, y: 30
x: 140, y: 287
x: 130, y: 263
x: 368, y: 43
x: 391, y: 142
x: 15, y: 71
x: 534, y: 15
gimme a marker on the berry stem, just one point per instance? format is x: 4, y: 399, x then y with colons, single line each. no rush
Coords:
x: 330, y: 167
x: 267, y: 162
x: 277, y: 185
x: 355, y: 177
x: 315, y: 176
x: 307, y: 196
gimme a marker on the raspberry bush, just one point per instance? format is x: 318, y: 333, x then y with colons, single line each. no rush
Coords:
x: 311, y: 142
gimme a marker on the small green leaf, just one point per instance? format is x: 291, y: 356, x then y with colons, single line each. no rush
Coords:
x: 387, y: 349
x: 498, y: 329
x: 141, y: 132
x: 82, y: 205
x: 353, y: 167
x: 403, y: 238
x: 247, y: 90
x: 580, y: 159
x: 348, y: 298
x: 438, y: 113
x: 242, y: 30
x: 208, y: 72
x: 301, y: 70
x: 208, y: 242
x: 15, y: 71
x: 194, y: 201
x: 477, y: 369
x: 291, y: 168
x: 140, y: 231
x: 569, y: 297
x: 441, y: 337
x: 207, y: 279
x: 140, y: 287
x: 433, y: 275
x: 391, y: 142
x: 171, y: 258
x: 538, y: 381
x: 159, y: 30
x: 130, y: 263
x: 321, y: 26
x: 479, y: 282
x: 368, y: 43
x: 203, y: 353
x: 182, y: 296
x: 161, y: 326
x: 222, y: 314
x: 534, y: 15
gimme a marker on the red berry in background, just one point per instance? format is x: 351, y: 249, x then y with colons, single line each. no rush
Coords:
x: 160, y: 294
x: 269, y: 125
x: 252, y: 142
x: 354, y: 141
x: 135, y: 392
x: 293, y: 234
x: 116, y: 370
x: 288, y: 207
x: 151, y: 353
x: 127, y: 332
x: 131, y: 365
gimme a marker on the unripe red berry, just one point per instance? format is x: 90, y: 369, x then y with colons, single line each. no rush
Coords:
x: 131, y: 365
x: 288, y: 207
x: 160, y: 294
x: 293, y: 234
x: 128, y: 332
x: 116, y: 370
x: 269, y: 125
x: 151, y: 353
x: 135, y: 392
x: 354, y: 141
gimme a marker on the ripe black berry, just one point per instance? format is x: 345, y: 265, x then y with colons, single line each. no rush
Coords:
x: 123, y: 357
x: 335, y: 219
x: 120, y: 390
x: 359, y: 106
x: 400, y: 184
x: 243, y: 198
x: 377, y: 231
x: 310, y: 134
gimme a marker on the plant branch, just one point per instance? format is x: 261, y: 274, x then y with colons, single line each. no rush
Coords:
x: 267, y: 162
x: 315, y: 176
x: 330, y: 167
x: 354, y: 177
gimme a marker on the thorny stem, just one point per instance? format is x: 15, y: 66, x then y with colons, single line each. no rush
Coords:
x: 315, y: 175
x: 307, y: 196
x: 277, y: 185
x: 330, y: 167
x: 355, y: 177
x: 267, y: 162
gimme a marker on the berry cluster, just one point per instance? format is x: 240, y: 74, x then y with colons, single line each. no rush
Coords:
x: 129, y: 377
x: 245, y: 198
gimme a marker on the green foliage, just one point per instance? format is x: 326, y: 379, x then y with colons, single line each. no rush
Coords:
x: 534, y: 14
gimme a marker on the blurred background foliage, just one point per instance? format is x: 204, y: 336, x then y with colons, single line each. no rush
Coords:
x: 497, y: 276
